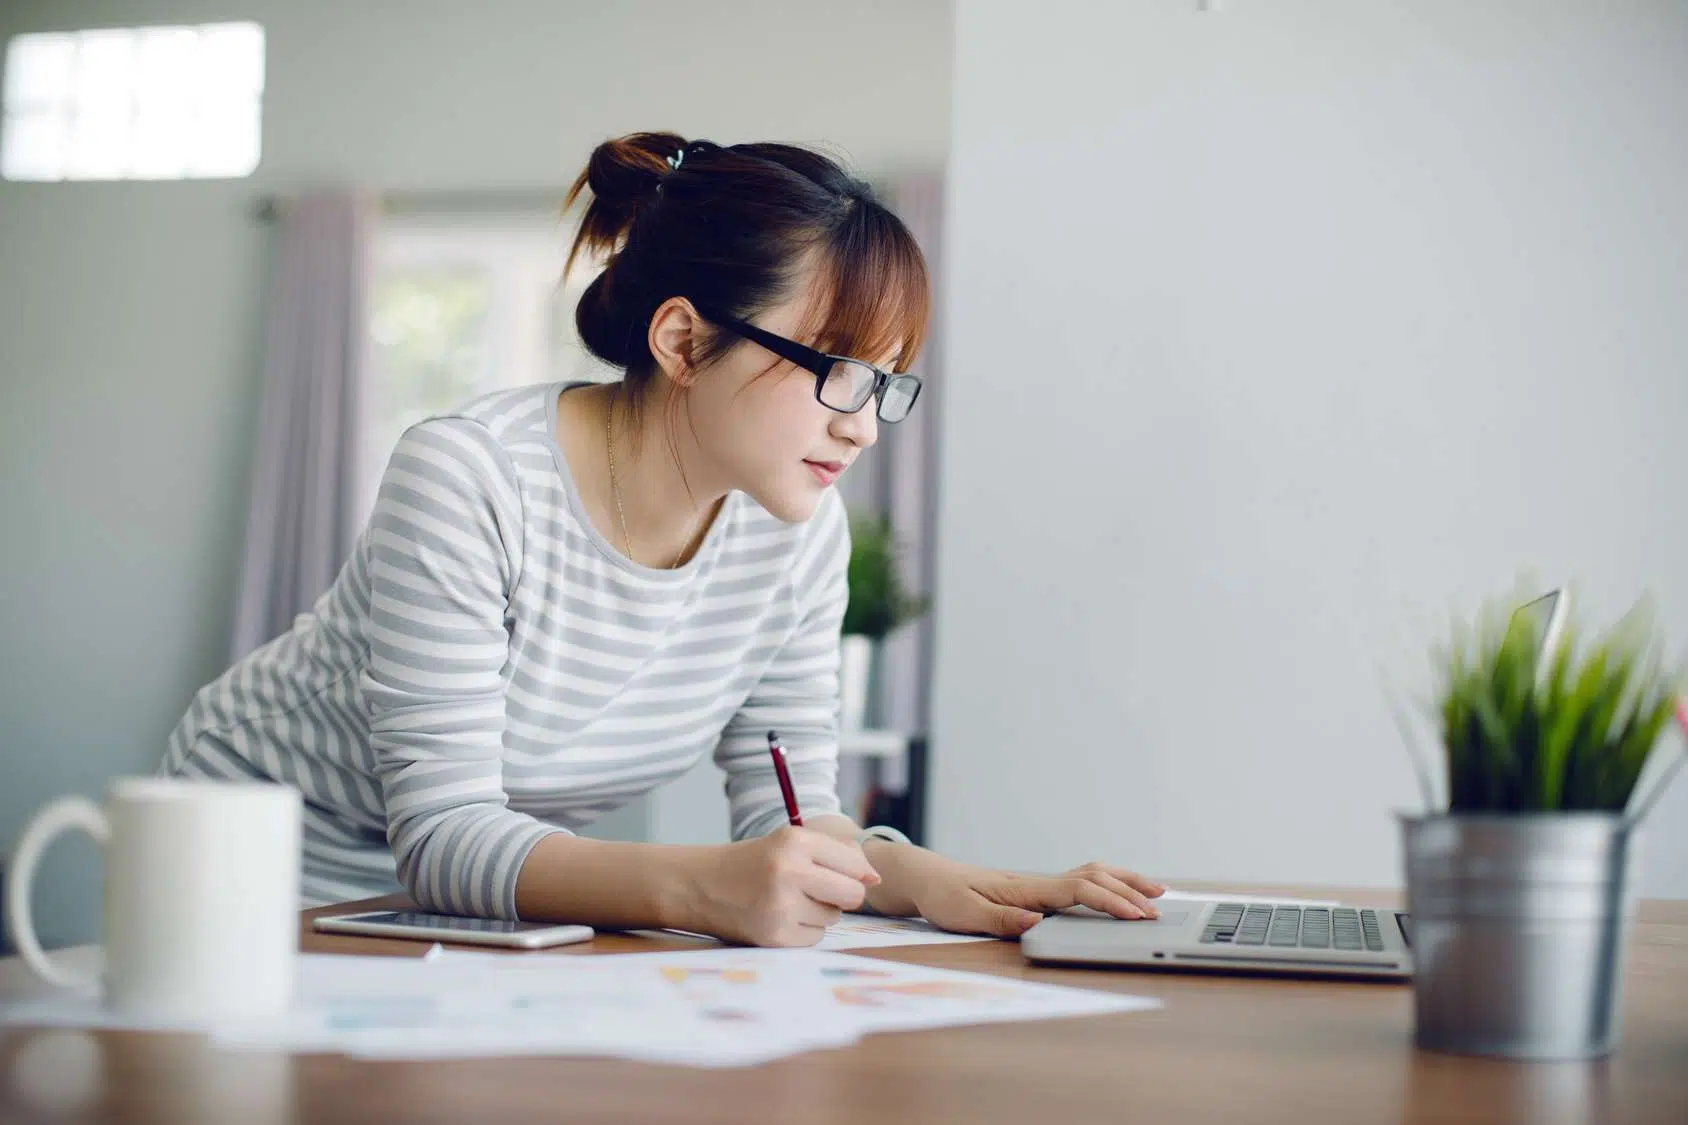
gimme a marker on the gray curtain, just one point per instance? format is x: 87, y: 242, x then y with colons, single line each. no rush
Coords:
x: 300, y: 519
x: 909, y: 467
x: 905, y: 487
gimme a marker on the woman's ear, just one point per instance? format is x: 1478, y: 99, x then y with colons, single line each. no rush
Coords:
x: 674, y: 337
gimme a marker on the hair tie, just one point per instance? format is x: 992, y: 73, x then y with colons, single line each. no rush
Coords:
x: 678, y: 158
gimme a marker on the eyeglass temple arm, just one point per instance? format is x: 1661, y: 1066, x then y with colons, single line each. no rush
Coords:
x: 818, y: 362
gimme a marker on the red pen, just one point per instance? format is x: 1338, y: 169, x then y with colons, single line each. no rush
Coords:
x: 784, y: 775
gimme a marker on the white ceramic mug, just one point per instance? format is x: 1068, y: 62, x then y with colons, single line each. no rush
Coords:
x: 201, y: 895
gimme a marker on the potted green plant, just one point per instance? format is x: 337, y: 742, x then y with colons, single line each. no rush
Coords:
x: 1520, y: 891
x: 879, y: 604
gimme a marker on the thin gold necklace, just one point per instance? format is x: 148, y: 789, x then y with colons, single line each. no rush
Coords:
x: 615, y: 491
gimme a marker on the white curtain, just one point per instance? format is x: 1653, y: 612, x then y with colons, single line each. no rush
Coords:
x: 300, y: 522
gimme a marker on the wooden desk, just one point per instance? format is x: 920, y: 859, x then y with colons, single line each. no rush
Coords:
x: 1223, y: 1049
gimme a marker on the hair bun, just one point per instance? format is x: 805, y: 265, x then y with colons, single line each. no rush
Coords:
x: 623, y: 174
x: 605, y: 319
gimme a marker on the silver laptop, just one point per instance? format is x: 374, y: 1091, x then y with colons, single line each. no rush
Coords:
x: 1348, y: 941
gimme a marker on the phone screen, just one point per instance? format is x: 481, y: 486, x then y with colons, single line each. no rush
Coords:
x: 417, y: 919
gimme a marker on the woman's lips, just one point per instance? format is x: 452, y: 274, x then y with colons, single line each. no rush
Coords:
x: 825, y: 471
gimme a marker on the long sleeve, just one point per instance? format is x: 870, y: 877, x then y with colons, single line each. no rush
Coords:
x: 446, y: 540
x: 797, y: 695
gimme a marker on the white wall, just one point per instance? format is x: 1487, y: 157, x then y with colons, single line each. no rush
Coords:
x: 131, y: 314
x: 1277, y: 333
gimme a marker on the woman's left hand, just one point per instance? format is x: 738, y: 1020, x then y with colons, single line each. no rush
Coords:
x: 978, y: 900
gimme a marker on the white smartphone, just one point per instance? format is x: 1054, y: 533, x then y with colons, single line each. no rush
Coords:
x: 450, y: 927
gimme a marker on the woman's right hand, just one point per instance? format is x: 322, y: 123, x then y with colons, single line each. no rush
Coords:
x: 783, y: 889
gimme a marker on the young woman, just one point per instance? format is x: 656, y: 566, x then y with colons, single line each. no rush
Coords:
x: 567, y: 595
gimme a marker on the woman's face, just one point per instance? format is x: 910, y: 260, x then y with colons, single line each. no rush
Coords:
x: 758, y: 427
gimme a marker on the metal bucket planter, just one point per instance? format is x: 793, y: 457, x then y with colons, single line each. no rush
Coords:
x: 1518, y: 927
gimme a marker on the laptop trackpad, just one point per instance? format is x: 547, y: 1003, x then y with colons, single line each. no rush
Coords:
x: 1171, y: 918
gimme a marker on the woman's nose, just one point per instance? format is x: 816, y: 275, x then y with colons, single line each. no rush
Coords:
x: 860, y: 429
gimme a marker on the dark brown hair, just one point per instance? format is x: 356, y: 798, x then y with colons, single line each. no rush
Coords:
x: 730, y: 228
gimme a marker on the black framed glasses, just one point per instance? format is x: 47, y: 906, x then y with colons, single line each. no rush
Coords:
x: 841, y: 383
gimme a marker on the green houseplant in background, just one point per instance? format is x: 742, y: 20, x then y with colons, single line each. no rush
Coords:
x: 1520, y: 891
x: 879, y: 604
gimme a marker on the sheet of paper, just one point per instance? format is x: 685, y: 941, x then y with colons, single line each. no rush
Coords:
x: 859, y: 931
x: 27, y: 1001
x: 718, y: 1007
x: 83, y: 1009
x: 868, y: 931
x: 801, y: 987
x: 454, y: 1005
x: 321, y: 978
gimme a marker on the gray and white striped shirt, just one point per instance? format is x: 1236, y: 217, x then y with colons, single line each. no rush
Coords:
x: 487, y: 669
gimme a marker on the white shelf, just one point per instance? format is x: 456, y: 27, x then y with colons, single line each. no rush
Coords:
x: 872, y: 743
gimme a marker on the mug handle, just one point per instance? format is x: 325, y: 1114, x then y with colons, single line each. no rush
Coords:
x: 54, y: 818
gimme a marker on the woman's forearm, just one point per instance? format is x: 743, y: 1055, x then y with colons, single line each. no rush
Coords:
x: 607, y: 884
x: 901, y: 866
x: 776, y: 889
x: 618, y: 886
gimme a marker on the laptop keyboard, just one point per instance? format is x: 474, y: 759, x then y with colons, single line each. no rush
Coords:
x: 1300, y: 927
